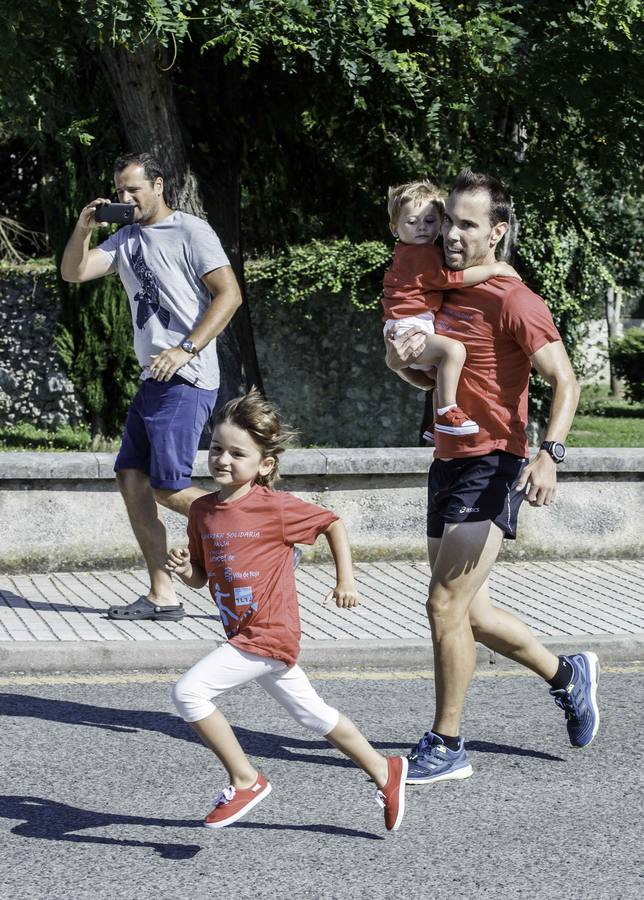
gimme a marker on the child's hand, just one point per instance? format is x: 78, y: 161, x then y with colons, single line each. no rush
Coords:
x: 178, y: 561
x: 506, y: 270
x: 345, y: 596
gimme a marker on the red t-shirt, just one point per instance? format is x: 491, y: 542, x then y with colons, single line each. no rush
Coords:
x: 416, y: 280
x: 501, y: 323
x: 245, y: 548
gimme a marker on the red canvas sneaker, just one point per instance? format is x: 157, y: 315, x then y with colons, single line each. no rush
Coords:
x: 233, y: 803
x: 455, y: 421
x: 392, y: 796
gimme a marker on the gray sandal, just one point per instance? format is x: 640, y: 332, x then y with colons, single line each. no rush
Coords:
x: 142, y: 608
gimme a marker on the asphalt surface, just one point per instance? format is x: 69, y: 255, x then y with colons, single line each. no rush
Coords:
x: 103, y: 789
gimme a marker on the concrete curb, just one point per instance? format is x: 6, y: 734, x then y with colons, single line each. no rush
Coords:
x: 48, y: 657
x: 79, y: 466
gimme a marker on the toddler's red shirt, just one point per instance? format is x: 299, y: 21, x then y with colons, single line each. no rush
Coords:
x: 415, y: 281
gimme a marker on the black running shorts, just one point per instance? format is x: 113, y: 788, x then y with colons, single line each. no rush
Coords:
x: 475, y: 489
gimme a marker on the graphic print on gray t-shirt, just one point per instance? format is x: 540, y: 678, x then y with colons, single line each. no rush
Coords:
x: 147, y: 299
x: 162, y: 267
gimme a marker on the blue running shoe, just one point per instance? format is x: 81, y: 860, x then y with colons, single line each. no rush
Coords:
x: 432, y: 761
x: 579, y: 699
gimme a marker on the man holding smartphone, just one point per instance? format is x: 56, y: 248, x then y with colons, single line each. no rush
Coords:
x: 182, y: 293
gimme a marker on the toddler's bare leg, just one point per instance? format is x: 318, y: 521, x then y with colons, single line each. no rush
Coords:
x: 346, y: 737
x: 449, y: 357
x: 217, y: 734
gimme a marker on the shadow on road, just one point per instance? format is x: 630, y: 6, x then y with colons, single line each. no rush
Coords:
x: 316, y: 829
x: 131, y: 721
x: 52, y: 821
x: 17, y: 601
x: 507, y: 750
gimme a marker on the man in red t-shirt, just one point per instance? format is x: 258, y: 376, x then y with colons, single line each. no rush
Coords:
x: 477, y: 482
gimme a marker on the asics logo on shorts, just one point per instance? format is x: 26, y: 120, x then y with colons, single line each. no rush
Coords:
x: 469, y: 509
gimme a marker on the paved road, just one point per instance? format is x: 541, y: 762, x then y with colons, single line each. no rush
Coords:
x: 103, y: 789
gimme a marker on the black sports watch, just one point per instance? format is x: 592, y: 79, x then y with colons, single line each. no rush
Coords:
x: 189, y: 347
x: 555, y: 449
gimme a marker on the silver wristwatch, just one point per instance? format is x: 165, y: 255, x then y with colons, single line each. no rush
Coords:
x: 555, y: 449
x: 189, y: 347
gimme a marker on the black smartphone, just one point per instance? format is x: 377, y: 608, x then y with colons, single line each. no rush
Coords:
x: 121, y: 213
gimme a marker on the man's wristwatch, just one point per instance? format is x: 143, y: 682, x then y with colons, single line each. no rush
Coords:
x: 189, y: 347
x: 555, y: 449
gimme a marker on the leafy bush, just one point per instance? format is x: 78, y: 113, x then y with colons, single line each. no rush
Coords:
x: 344, y: 267
x: 627, y: 356
x: 563, y: 264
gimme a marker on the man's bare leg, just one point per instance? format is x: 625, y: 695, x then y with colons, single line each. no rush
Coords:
x: 466, y: 553
x: 501, y: 631
x: 461, y: 561
x: 178, y: 501
x: 505, y: 634
x: 149, y: 528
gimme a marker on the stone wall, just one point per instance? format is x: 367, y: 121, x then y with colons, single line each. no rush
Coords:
x: 327, y: 374
x: 63, y: 511
x: 33, y: 385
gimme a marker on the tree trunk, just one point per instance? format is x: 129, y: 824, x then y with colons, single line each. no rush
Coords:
x: 144, y: 97
x: 613, y: 301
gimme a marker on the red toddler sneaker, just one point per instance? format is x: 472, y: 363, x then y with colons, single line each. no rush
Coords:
x: 392, y: 796
x: 455, y: 421
x: 233, y: 803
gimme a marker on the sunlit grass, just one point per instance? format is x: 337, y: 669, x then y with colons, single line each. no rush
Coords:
x: 604, y: 431
x: 29, y: 437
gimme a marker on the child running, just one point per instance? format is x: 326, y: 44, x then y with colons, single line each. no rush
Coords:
x: 413, y: 289
x: 240, y: 541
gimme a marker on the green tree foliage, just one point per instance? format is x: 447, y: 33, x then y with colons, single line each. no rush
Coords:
x: 313, y: 107
x: 339, y: 267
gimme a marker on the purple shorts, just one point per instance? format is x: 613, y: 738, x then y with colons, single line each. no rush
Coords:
x: 162, y: 431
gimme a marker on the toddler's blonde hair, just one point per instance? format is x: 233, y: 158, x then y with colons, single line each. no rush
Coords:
x: 416, y: 191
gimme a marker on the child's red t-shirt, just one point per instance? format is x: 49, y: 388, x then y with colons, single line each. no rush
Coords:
x: 501, y: 323
x: 415, y: 281
x: 246, y: 549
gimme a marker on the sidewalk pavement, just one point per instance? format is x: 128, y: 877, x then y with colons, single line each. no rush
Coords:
x: 57, y: 622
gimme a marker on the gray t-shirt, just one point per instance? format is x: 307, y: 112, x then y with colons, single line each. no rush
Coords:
x: 161, y: 267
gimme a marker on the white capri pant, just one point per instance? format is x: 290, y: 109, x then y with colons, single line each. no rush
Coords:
x: 227, y: 667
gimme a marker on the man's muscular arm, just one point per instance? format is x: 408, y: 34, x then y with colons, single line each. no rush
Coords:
x: 540, y: 476
x: 226, y: 297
